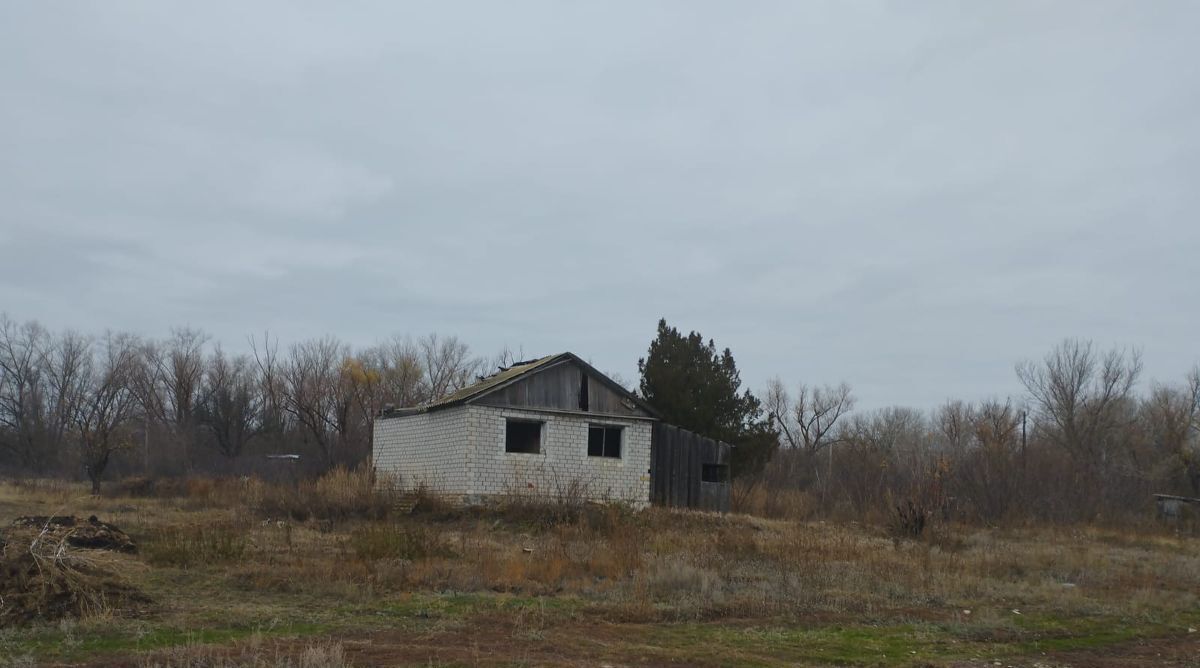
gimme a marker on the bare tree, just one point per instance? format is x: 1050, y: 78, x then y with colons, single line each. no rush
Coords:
x: 363, y: 377
x: 67, y: 363
x: 1171, y: 417
x: 877, y: 455
x: 169, y: 386
x: 184, y: 372
x: 271, y: 383
x: 448, y: 365
x: 987, y: 466
x: 23, y: 408
x: 402, y: 375
x: 230, y: 403
x: 1079, y: 393
x: 996, y: 423
x: 956, y: 421
x: 315, y: 395
x: 811, y: 420
x: 38, y: 389
x: 106, y: 404
x: 507, y: 357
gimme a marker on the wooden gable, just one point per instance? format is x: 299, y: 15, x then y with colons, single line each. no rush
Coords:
x: 565, y: 386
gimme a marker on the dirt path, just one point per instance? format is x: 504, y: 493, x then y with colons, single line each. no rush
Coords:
x: 1174, y: 652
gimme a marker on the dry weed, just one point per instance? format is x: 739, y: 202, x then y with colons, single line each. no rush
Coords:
x: 250, y: 655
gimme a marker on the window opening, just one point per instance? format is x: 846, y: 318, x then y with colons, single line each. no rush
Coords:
x: 523, y: 436
x: 715, y: 473
x: 604, y: 441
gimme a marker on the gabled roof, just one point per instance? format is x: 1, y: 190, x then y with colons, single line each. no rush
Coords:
x: 515, y: 373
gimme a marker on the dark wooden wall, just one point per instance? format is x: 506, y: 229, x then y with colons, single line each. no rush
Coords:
x: 677, y: 459
x: 558, y: 388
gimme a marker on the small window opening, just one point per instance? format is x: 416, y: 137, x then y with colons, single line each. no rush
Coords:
x: 715, y: 473
x: 583, y: 392
x: 604, y: 441
x: 523, y: 436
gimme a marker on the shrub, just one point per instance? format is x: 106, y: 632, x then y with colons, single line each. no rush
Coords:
x: 340, y: 494
x: 754, y: 498
x: 909, y: 521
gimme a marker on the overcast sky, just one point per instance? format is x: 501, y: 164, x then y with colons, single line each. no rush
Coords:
x: 907, y: 196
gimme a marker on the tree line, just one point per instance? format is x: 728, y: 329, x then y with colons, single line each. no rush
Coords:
x: 1081, y: 442
x: 119, y: 404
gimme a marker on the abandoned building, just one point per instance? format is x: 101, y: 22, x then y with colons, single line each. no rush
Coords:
x: 554, y: 427
x: 1173, y: 507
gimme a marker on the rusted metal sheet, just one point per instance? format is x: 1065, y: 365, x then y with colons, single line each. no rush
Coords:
x: 678, y: 467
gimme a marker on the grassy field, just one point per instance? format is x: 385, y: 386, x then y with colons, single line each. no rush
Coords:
x: 238, y: 573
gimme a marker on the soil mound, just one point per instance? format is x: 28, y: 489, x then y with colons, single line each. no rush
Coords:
x: 90, y: 533
x: 46, y: 574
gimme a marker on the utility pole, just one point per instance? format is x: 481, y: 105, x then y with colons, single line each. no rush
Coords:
x: 829, y: 477
x: 1024, y: 415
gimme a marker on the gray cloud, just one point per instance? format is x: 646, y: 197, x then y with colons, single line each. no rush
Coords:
x: 910, y: 198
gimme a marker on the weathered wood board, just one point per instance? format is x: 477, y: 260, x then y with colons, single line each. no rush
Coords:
x: 560, y: 387
x: 677, y: 462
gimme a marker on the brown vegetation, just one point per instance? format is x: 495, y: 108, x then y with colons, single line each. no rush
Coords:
x: 55, y: 567
x: 980, y: 531
x: 218, y: 555
x: 1081, y: 446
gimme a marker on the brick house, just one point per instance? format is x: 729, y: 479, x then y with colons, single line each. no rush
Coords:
x: 551, y: 427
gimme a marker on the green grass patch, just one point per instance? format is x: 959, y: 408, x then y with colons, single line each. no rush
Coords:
x: 828, y: 645
x: 1048, y: 633
x: 79, y: 642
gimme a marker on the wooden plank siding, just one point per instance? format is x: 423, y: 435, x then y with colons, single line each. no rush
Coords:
x: 558, y: 388
x: 677, y: 459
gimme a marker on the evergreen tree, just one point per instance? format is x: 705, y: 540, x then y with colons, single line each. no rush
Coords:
x: 696, y: 387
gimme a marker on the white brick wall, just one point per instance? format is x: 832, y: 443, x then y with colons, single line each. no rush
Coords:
x: 460, y: 451
x: 429, y: 449
x: 563, y: 466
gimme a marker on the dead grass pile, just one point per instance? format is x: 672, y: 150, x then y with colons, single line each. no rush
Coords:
x: 44, y: 576
x: 90, y: 533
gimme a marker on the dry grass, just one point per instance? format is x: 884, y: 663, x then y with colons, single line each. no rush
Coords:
x: 250, y: 655
x: 242, y: 553
x: 185, y: 546
x: 339, y: 495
